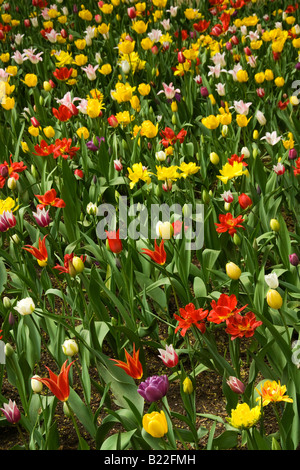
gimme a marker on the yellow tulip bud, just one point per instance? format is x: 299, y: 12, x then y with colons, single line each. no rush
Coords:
x: 275, y: 225
x: 155, y: 424
x: 233, y: 271
x: 214, y: 158
x: 274, y: 299
x: 164, y: 230
x: 174, y: 106
x: 78, y: 264
x: 188, y: 386
x: 255, y: 135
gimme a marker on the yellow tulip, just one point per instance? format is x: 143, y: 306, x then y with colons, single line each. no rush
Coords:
x: 155, y: 424
x: 188, y: 386
x: 233, y: 271
x: 274, y: 299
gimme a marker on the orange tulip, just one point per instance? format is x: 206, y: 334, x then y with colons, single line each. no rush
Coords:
x: 58, y: 384
x: 40, y: 254
x: 132, y: 366
x: 158, y: 255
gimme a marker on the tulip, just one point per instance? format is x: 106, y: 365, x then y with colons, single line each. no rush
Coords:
x: 244, y: 201
x: 78, y: 264
x: 214, y: 158
x: 118, y: 165
x: 274, y: 299
x: 91, y: 208
x: 169, y: 356
x: 11, y: 412
x: 25, y: 306
x: 233, y: 271
x: 154, y: 388
x: 70, y: 347
x: 42, y: 217
x: 164, y: 230
x: 58, y: 384
x: 155, y: 424
x: 188, y: 386
x: 113, y: 241
x: 236, y: 385
x: 36, y: 385
x: 292, y: 154
x: 11, y: 183
x: 274, y: 225
x: 272, y: 280
x: 294, y: 260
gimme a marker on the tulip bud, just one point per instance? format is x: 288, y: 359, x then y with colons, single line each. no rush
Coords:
x: 205, y: 196
x: 235, y: 40
x: 6, y: 302
x: 174, y: 119
x: 224, y: 130
x: 214, y: 158
x: 233, y: 271
x: 292, y: 154
x: 188, y: 386
x: 78, y: 264
x: 255, y: 134
x: 9, y: 350
x: 294, y: 260
x: 174, y: 107
x: 164, y: 230
x: 236, y: 239
x: 47, y: 86
x: 70, y: 347
x: 66, y: 409
x: 236, y: 385
x: 118, y: 165
x: 274, y: 299
x: 275, y: 225
x: 11, y: 183
x: 16, y: 239
x: 36, y: 385
x: 91, y: 208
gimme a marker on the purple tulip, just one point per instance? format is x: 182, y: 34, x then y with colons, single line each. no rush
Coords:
x: 204, y: 91
x: 294, y: 260
x: 292, y: 154
x: 92, y: 144
x: 297, y: 66
x: 154, y: 388
x: 11, y: 412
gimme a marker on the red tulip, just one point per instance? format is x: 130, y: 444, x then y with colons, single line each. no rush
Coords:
x: 58, y: 384
x: 114, y: 242
x: 245, y: 201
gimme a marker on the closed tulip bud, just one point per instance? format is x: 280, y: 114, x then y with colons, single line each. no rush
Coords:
x: 34, y: 172
x: 205, y: 196
x: 35, y: 122
x: 274, y: 299
x: 180, y: 57
x: 41, y: 100
x: 16, y: 239
x: 174, y: 120
x: 6, y: 302
x: 235, y: 40
x: 8, y: 350
x: 11, y: 183
x: 66, y: 410
x: 47, y: 86
x: 292, y: 154
x: 255, y: 135
x: 274, y: 225
x: 233, y: 271
x: 204, y: 91
x: 187, y: 386
x: 118, y: 165
x: 36, y: 385
x: 294, y: 260
x: 224, y: 130
x: 78, y: 264
x: 236, y: 239
x: 91, y: 208
x: 236, y: 385
x: 27, y: 23
x: 164, y: 230
x: 174, y: 107
x: 70, y: 347
x: 214, y: 158
x: 227, y: 206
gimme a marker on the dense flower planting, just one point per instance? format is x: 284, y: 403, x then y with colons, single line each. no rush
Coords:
x: 110, y: 110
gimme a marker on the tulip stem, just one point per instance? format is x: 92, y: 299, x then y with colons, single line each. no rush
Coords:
x: 74, y: 422
x: 22, y: 436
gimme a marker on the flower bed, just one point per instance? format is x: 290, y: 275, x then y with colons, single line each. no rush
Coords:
x: 149, y: 225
